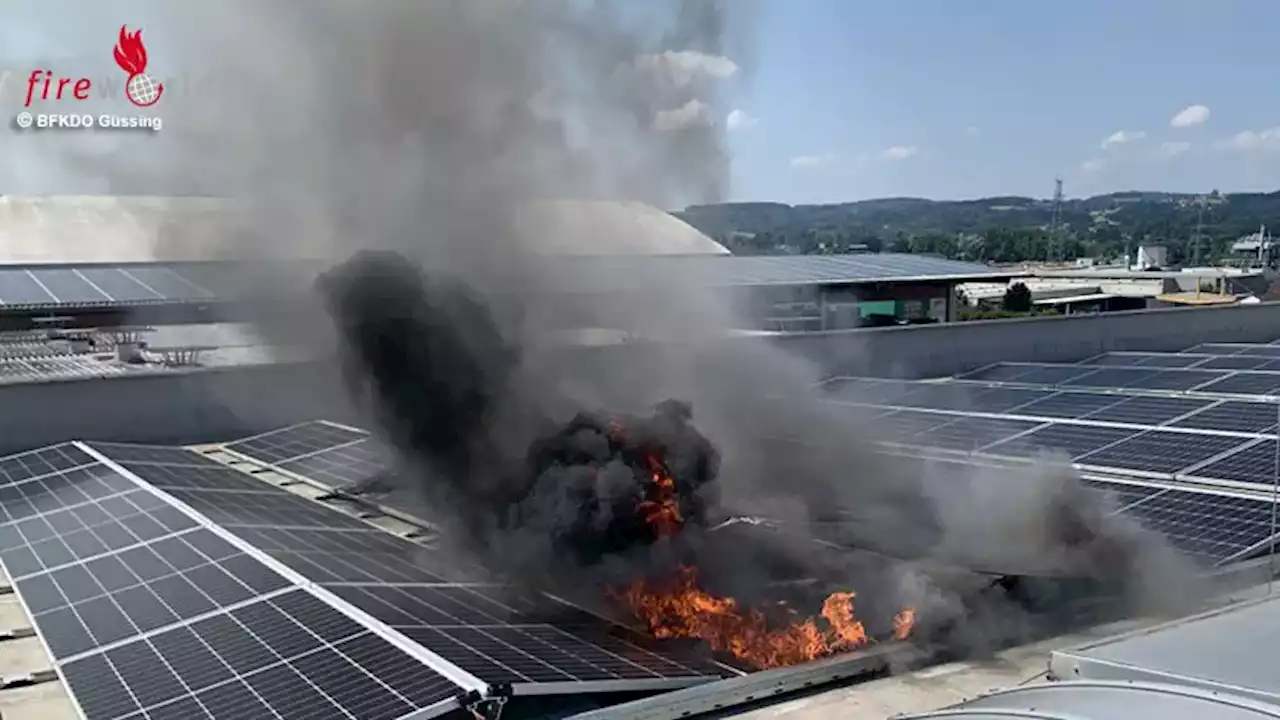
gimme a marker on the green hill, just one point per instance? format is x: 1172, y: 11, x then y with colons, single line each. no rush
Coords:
x: 1002, y: 229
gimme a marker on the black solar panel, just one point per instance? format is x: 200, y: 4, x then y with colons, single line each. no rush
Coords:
x: 1114, y: 359
x: 1167, y: 360
x: 1214, y: 349
x: 1121, y: 494
x: 1054, y: 374
x: 1000, y: 372
x: 970, y: 433
x: 24, y: 466
x: 1110, y: 378
x: 263, y: 508
x: 342, y: 467
x: 1231, y: 362
x: 17, y: 287
x: 329, y: 556
x: 152, y: 454
x: 1244, y: 383
x: 1002, y: 400
x: 290, y: 656
x: 1210, y: 527
x: 294, y: 442
x: 1074, y: 440
x: 937, y: 397
x: 1140, y: 410
x: 504, y: 638
x: 1161, y: 452
x: 1070, y: 405
x: 1175, y: 380
x: 1267, y: 351
x: 903, y: 424
x: 197, y: 477
x: 1269, y: 366
x: 1233, y: 416
x: 867, y: 391
x: 1254, y: 464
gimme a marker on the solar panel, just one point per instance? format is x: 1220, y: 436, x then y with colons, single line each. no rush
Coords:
x: 293, y: 442
x: 1121, y: 494
x: 1114, y: 359
x: 197, y: 477
x: 17, y: 287
x: 867, y: 391
x: 287, y: 656
x: 1175, y: 380
x: 169, y: 284
x: 1147, y: 410
x: 153, y: 454
x: 1269, y: 366
x: 325, y: 546
x: 1211, y: 527
x: 342, y: 467
x: 999, y: 372
x: 1231, y: 362
x: 1244, y: 383
x: 27, y: 465
x: 1055, y: 374
x: 1110, y: 378
x: 1214, y: 349
x: 68, y: 286
x: 1074, y: 440
x: 1001, y: 400
x: 1233, y: 416
x: 505, y: 638
x: 937, y: 397
x: 1167, y: 360
x: 905, y: 423
x: 1267, y: 351
x: 1163, y: 452
x: 1070, y: 405
x: 118, y: 286
x: 1253, y: 464
x: 971, y: 433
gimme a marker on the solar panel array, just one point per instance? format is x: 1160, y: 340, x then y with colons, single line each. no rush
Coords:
x: 90, y: 285
x: 1207, y: 415
x: 167, y: 585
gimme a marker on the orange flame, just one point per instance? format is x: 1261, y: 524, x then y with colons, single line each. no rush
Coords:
x: 683, y: 610
x: 903, y: 623
x: 661, y: 509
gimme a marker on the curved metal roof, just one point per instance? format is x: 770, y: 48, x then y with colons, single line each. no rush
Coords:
x: 1106, y: 700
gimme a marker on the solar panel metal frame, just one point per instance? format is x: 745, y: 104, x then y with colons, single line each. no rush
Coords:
x: 93, y: 294
x: 243, y: 446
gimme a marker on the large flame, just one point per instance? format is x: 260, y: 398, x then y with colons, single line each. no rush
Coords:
x: 130, y: 53
x: 680, y: 609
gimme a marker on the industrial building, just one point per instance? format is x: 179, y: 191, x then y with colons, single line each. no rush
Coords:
x: 183, y: 539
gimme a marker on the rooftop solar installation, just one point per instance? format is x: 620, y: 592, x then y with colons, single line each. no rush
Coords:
x: 295, y: 442
x: 92, y: 285
x: 165, y: 584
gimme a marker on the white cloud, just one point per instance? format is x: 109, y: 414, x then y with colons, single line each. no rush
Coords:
x: 899, y: 152
x: 1120, y: 137
x: 812, y: 161
x: 1189, y: 116
x: 1093, y: 166
x: 740, y: 120
x: 683, y: 68
x: 691, y: 114
x: 1249, y: 140
x: 1173, y: 148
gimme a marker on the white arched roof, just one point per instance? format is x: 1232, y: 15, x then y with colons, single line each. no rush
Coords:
x: 586, y: 227
x: 88, y: 229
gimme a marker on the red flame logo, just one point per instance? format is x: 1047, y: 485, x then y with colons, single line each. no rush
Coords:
x: 131, y: 56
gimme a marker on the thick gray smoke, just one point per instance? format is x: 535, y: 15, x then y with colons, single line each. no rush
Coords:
x: 440, y: 130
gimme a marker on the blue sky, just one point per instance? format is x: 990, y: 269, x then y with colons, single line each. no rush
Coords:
x: 998, y: 96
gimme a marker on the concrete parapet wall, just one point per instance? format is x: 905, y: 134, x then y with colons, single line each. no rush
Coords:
x: 207, y: 406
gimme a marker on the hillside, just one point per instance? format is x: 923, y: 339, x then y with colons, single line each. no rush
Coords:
x: 1005, y: 229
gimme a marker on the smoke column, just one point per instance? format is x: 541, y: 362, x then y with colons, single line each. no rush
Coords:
x: 431, y: 129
